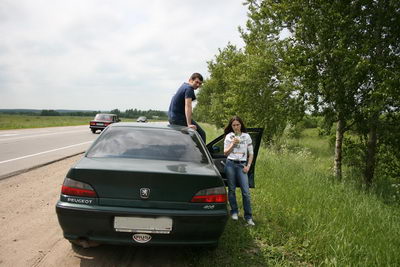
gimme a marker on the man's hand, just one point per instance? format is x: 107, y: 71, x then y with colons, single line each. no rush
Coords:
x: 192, y: 126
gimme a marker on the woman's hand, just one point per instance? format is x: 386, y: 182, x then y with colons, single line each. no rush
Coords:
x: 246, y: 169
x: 236, y: 141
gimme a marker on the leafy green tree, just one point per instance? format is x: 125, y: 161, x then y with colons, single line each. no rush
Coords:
x: 116, y: 112
x: 380, y: 102
x: 49, y: 112
x: 245, y: 83
x: 216, y: 101
x: 344, y: 56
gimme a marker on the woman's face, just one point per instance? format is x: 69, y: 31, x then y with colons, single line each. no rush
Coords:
x: 236, y: 126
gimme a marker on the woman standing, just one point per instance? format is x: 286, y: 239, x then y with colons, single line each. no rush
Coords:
x: 239, y: 151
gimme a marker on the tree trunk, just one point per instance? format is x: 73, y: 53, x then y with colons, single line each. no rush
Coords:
x: 338, y: 149
x: 370, y: 156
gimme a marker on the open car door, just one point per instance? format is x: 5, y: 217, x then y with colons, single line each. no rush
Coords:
x: 216, y: 149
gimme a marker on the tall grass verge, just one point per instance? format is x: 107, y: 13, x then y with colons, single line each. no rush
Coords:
x: 305, y: 218
x: 317, y: 219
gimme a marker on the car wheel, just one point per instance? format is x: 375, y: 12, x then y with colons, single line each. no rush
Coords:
x: 211, y: 247
x: 93, y: 130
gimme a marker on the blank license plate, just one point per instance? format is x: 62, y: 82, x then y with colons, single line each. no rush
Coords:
x: 159, y: 225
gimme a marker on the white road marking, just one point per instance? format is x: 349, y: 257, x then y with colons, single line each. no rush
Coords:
x: 11, y: 134
x: 31, y: 136
x: 44, y: 152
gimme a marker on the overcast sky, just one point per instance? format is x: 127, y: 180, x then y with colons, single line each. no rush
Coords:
x: 106, y: 54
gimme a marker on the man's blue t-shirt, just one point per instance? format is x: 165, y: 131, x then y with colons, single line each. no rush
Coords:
x: 176, y: 111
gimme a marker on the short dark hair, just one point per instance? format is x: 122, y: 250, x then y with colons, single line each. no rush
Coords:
x: 229, y: 129
x: 196, y: 76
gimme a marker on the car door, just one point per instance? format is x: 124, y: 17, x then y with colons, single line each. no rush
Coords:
x: 216, y: 149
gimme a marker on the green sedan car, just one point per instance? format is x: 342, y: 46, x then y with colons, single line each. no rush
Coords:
x: 147, y: 184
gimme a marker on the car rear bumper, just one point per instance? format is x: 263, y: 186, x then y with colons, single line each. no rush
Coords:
x: 96, y: 223
x: 96, y: 127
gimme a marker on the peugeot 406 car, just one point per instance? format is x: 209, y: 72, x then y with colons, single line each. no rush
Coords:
x: 146, y: 184
x: 101, y: 121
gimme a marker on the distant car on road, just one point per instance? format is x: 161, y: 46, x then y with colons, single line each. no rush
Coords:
x: 142, y: 119
x: 147, y: 184
x: 101, y: 121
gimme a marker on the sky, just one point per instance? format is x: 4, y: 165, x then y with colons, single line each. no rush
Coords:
x: 107, y: 54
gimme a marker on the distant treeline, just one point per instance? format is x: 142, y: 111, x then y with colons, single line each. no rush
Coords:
x: 129, y: 113
x: 135, y: 113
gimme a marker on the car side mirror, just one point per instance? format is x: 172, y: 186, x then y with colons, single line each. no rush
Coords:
x: 215, y: 149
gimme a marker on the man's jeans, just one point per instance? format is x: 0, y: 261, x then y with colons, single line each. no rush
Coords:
x: 236, y: 176
x: 201, y: 132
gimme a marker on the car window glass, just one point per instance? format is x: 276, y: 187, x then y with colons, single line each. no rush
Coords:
x: 129, y: 142
x: 220, y: 150
x: 102, y: 117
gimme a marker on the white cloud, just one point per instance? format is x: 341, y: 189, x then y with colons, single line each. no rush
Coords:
x: 108, y: 54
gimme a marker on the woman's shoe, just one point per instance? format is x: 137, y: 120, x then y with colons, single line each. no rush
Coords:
x: 235, y: 216
x: 250, y: 222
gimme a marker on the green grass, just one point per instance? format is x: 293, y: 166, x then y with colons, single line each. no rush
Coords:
x: 211, y: 131
x: 322, y: 221
x: 305, y: 218
x: 8, y: 122
x: 25, y: 121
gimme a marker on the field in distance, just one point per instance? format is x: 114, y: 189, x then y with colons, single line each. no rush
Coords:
x: 8, y: 122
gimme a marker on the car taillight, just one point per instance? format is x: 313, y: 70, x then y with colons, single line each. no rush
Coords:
x: 92, y: 123
x: 107, y: 123
x: 211, y: 195
x: 75, y: 188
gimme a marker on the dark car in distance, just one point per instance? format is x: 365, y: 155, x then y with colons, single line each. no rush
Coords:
x: 147, y: 184
x: 101, y: 121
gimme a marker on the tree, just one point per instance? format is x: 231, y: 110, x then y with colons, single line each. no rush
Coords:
x: 336, y: 54
x: 246, y: 83
x: 216, y: 101
x: 49, y: 112
x: 116, y: 112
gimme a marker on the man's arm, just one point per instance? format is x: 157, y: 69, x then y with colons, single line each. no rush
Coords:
x: 188, y: 113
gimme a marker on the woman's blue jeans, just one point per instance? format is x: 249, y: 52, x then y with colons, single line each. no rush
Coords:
x: 236, y: 176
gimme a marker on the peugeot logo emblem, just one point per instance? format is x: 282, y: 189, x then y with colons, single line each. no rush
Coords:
x: 144, y: 193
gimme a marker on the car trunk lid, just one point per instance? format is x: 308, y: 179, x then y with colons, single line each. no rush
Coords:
x: 125, y: 181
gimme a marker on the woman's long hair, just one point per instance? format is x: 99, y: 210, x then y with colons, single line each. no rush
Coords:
x: 229, y: 128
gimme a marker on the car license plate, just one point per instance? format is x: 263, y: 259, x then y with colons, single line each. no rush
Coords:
x: 100, y: 123
x: 158, y: 225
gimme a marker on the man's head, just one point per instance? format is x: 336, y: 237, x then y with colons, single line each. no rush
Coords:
x: 196, y: 80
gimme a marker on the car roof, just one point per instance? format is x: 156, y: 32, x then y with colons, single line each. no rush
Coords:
x: 106, y: 114
x: 153, y: 125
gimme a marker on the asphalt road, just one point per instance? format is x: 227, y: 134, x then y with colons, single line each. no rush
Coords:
x: 24, y: 149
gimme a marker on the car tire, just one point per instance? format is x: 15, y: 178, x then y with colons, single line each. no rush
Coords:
x: 212, y: 247
x: 94, y: 131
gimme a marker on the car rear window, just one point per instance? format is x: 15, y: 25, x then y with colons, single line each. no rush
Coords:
x: 158, y: 144
x: 102, y: 117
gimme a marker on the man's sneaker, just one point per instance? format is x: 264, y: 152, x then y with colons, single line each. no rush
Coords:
x: 250, y: 222
x: 235, y: 216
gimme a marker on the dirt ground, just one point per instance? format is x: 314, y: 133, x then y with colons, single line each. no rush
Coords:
x: 30, y: 234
